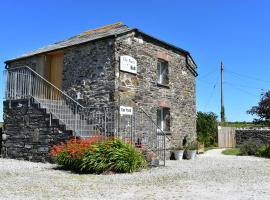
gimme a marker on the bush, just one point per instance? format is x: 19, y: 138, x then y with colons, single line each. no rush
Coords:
x: 192, y: 146
x: 98, y: 156
x: 264, y: 151
x: 112, y: 155
x: 206, y: 125
x: 249, y: 147
x: 70, y: 154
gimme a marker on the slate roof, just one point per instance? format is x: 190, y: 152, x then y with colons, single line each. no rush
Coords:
x: 91, y: 35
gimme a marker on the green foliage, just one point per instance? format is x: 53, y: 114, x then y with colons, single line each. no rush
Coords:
x: 206, y: 128
x: 249, y: 147
x: 241, y: 124
x: 101, y: 156
x: 262, y: 110
x: 71, y: 163
x: 255, y: 148
x: 177, y: 147
x: 264, y: 151
x: 192, y: 146
x: 112, y: 155
x: 234, y: 151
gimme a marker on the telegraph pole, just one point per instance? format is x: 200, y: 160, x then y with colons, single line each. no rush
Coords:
x: 222, y: 110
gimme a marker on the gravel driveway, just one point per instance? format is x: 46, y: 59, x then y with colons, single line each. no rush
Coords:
x: 209, y: 176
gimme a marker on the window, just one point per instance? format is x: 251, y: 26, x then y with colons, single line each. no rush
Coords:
x: 163, y: 72
x: 163, y: 119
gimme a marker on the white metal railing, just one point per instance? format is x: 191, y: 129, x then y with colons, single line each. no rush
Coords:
x: 140, y: 128
x: 25, y: 83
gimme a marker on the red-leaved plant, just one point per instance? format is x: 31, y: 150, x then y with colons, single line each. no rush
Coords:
x: 75, y: 147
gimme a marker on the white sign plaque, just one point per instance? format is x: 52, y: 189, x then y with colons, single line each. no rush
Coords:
x: 125, y: 110
x: 128, y: 64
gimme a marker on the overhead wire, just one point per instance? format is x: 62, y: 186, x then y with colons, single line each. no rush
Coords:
x: 211, y: 94
x: 239, y: 89
x: 246, y: 76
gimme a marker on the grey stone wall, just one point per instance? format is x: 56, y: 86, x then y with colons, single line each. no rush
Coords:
x: 29, y: 135
x: 142, y: 89
x: 88, y: 69
x: 262, y: 136
x: 92, y: 69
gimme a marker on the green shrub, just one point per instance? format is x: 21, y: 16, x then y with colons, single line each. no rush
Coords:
x: 97, y: 156
x: 70, y: 154
x: 192, y: 146
x: 112, y: 155
x: 206, y: 125
x: 264, y: 151
x: 71, y: 163
x: 249, y: 147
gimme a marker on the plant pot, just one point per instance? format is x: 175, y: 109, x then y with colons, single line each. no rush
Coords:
x: 178, y: 154
x: 190, y: 154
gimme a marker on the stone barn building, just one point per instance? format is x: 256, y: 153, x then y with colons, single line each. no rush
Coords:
x: 113, y: 81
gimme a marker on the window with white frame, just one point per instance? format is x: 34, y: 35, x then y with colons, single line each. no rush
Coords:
x: 162, y: 72
x: 163, y: 119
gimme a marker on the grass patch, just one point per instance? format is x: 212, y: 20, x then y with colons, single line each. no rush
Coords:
x: 234, y: 151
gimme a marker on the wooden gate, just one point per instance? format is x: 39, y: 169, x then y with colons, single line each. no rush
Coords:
x: 226, y: 137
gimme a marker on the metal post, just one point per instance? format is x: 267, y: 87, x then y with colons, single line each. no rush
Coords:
x: 29, y: 90
x: 76, y: 116
x: 164, y: 149
x: 105, y: 115
x: 222, y: 110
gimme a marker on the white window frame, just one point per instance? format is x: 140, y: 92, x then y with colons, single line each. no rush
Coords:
x: 162, y: 122
x: 161, y: 64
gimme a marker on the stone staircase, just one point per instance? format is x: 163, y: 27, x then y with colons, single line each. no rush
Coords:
x: 69, y: 115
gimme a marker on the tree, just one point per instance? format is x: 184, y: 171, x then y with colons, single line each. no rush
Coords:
x: 262, y: 110
x: 207, y: 128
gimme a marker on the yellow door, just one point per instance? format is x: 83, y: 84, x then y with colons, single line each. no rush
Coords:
x: 54, y: 69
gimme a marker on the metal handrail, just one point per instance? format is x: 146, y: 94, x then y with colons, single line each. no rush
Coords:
x: 154, y: 123
x: 25, y: 83
x: 37, y: 74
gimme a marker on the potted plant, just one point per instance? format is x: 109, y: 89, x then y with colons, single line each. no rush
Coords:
x: 191, y: 150
x: 177, y: 152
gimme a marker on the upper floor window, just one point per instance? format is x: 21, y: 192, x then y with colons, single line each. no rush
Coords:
x: 162, y: 72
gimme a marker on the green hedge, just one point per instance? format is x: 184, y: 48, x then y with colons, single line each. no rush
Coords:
x: 252, y: 147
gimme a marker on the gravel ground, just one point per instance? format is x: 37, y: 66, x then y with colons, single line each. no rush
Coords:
x: 209, y: 176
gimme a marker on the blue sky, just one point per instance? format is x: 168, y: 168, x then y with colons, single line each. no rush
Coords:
x: 236, y: 32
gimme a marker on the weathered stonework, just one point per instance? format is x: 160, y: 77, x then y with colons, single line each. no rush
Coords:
x: 141, y: 89
x: 262, y: 136
x: 29, y: 135
x: 88, y: 69
x: 93, y: 70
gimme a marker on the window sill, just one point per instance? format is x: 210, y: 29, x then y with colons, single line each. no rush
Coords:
x: 163, y: 85
x: 166, y: 132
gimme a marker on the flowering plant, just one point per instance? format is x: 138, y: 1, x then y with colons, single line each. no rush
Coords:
x: 75, y: 147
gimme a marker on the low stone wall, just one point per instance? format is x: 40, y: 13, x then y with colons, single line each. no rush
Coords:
x: 27, y: 132
x: 261, y: 135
